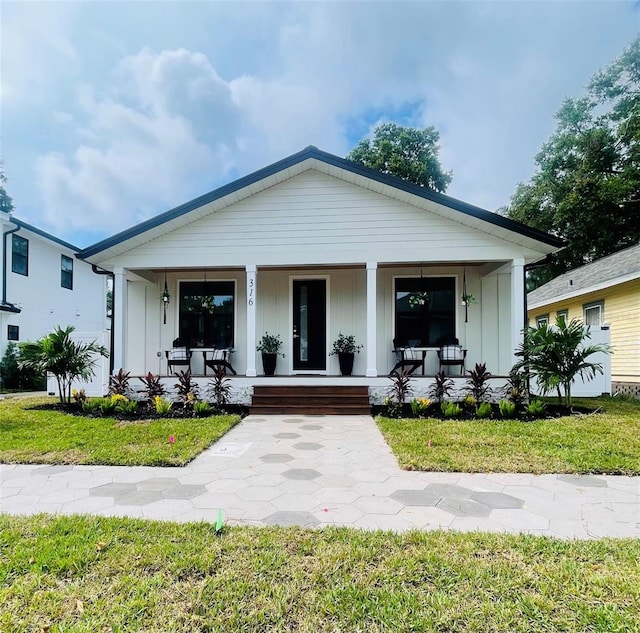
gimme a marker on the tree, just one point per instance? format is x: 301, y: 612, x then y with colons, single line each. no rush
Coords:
x: 6, y: 203
x: 556, y: 354
x: 408, y: 153
x: 67, y: 360
x: 586, y: 188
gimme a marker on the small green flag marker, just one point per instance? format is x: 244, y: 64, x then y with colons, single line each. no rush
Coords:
x: 219, y: 522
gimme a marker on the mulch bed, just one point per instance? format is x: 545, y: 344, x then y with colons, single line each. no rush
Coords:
x: 434, y: 411
x: 144, y: 412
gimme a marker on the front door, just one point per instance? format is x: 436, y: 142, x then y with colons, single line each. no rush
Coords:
x: 309, y: 324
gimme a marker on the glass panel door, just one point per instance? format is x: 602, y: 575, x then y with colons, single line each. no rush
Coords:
x: 309, y: 324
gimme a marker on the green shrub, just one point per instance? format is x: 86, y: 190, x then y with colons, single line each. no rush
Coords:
x: 127, y: 407
x: 536, y: 408
x: 162, y: 406
x: 107, y: 406
x: 202, y: 409
x: 419, y: 406
x: 451, y: 409
x: 507, y: 409
x: 483, y: 411
x: 91, y: 406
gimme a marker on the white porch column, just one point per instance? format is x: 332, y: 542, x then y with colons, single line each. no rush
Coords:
x: 251, y: 319
x: 372, y: 329
x: 119, y: 317
x: 517, y: 305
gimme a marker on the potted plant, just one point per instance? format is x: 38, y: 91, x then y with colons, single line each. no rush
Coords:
x: 345, y: 347
x: 270, y: 345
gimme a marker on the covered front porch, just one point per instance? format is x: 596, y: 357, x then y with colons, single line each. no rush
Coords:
x: 385, y: 305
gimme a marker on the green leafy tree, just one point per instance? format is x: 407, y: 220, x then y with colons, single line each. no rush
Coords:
x: 556, y: 354
x: 6, y: 203
x: 66, y: 359
x: 408, y: 153
x: 12, y: 377
x: 586, y: 188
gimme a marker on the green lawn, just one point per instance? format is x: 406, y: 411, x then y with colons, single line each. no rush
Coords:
x: 97, y: 574
x: 605, y: 442
x: 38, y: 436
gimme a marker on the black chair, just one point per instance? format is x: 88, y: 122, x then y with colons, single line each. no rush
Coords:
x: 409, y: 359
x: 178, y: 356
x: 219, y: 361
x: 452, y: 354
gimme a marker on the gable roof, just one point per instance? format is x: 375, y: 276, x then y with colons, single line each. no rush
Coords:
x: 605, y: 272
x: 41, y: 233
x: 334, y: 165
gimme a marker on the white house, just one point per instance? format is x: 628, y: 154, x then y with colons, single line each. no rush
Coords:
x: 310, y: 247
x: 44, y: 285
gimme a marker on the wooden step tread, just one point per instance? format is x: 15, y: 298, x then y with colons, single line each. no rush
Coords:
x: 309, y: 410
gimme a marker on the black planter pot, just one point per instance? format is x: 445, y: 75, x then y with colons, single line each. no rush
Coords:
x: 269, y: 364
x: 346, y: 363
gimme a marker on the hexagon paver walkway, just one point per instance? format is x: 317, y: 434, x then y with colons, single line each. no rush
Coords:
x: 327, y: 470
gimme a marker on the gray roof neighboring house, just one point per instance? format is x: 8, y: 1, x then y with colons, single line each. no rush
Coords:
x: 609, y: 271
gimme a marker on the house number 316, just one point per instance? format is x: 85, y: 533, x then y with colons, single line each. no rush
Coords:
x: 250, y: 299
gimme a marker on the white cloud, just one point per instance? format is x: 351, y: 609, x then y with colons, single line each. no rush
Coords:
x: 171, y: 130
x: 220, y: 89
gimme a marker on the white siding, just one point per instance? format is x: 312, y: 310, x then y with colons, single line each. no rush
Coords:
x: 44, y: 302
x: 314, y: 218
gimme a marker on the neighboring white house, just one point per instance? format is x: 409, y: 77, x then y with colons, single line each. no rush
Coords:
x: 44, y: 285
x: 307, y: 248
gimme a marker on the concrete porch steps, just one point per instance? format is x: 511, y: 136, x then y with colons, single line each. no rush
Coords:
x: 310, y: 400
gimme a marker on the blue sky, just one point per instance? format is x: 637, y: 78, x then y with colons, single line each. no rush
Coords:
x: 115, y: 111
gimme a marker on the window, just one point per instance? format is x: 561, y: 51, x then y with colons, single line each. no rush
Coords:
x: 66, y: 272
x: 541, y: 320
x: 425, y: 311
x: 13, y: 332
x: 562, y: 315
x: 19, y: 255
x: 593, y: 313
x: 207, y: 313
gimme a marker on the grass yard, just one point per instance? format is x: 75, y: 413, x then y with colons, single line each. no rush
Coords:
x: 51, y: 437
x: 99, y: 574
x: 605, y: 442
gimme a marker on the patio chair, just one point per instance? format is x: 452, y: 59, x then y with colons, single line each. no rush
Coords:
x: 219, y: 361
x: 178, y: 356
x: 452, y: 354
x: 408, y: 359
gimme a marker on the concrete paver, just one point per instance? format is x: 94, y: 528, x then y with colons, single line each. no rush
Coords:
x: 327, y: 470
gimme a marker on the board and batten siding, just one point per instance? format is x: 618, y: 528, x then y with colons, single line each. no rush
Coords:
x: 621, y: 312
x: 314, y: 218
x: 148, y: 337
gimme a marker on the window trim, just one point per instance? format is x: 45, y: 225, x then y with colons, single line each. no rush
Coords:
x: 236, y: 304
x: 590, y: 305
x: 14, y: 238
x: 456, y: 303
x: 13, y: 328
x: 542, y: 318
x: 63, y: 271
x: 564, y: 314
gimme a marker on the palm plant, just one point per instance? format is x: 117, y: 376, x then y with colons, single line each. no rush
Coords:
x: 68, y: 360
x: 188, y: 391
x: 478, y: 382
x: 556, y: 355
x: 441, y: 387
